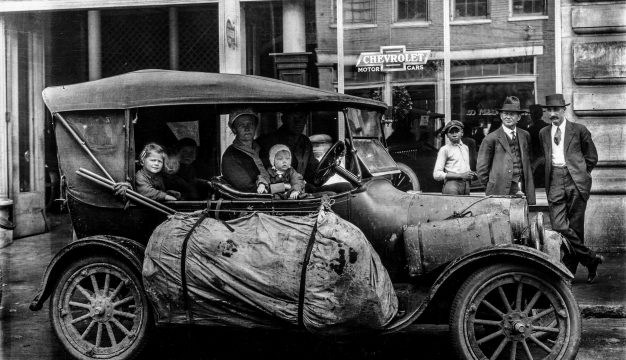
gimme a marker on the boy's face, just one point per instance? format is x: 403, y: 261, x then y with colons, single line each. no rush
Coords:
x: 454, y: 135
x: 187, y: 155
x: 153, y: 163
x: 282, y: 160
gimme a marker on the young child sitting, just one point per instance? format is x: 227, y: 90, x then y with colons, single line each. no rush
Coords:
x: 285, y: 181
x: 148, y: 179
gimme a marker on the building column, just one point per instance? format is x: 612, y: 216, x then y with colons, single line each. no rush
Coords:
x: 4, y: 124
x: 94, y: 44
x: 231, y: 54
x: 230, y: 36
x: 173, y: 26
x: 292, y: 63
x: 294, y: 35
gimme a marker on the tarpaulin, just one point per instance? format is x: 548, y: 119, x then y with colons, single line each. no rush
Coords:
x: 250, y: 276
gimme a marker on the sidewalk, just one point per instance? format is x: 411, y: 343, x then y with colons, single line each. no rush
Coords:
x: 605, y: 298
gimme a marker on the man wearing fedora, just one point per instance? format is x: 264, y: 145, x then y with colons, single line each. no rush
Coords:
x: 570, y: 155
x: 503, y: 164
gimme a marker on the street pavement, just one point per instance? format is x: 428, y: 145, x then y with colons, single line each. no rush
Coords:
x: 28, y: 335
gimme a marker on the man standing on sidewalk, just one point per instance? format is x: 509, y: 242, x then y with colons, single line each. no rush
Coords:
x: 570, y: 155
x: 503, y: 165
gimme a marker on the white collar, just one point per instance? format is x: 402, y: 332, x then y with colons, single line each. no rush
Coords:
x: 509, y: 131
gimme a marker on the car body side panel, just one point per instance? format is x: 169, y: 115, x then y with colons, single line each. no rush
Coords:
x: 458, y: 270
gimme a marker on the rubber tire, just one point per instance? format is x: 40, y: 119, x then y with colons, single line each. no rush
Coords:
x: 482, y: 276
x: 145, y: 330
x: 410, y: 174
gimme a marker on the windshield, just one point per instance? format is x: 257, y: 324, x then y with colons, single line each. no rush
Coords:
x: 364, y: 123
x: 375, y: 157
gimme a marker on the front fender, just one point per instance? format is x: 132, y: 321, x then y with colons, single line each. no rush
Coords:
x: 122, y: 248
x: 458, y: 270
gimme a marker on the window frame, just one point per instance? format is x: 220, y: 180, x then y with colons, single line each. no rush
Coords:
x: 397, y: 22
x: 528, y: 16
x: 371, y: 23
x: 486, y: 18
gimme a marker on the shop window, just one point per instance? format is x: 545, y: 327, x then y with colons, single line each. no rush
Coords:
x: 470, y: 9
x: 411, y: 10
x: 491, y: 67
x: 528, y: 7
x: 356, y: 11
x: 477, y: 104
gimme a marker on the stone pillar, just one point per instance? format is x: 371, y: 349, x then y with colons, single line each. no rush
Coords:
x: 292, y: 64
x: 292, y: 67
x: 231, y: 54
x: 6, y: 204
x: 294, y: 35
x: 94, y: 44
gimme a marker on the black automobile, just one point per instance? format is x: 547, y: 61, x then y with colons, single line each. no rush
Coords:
x: 475, y: 263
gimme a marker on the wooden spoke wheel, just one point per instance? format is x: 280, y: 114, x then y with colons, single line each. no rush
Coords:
x: 99, y: 310
x: 515, y: 312
x: 405, y: 180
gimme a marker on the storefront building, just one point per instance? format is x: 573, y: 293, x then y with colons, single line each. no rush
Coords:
x: 496, y: 49
x: 62, y: 42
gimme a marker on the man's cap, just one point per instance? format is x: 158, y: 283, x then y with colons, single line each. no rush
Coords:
x: 555, y: 100
x: 234, y: 114
x: 275, y: 150
x: 452, y: 124
x: 511, y: 104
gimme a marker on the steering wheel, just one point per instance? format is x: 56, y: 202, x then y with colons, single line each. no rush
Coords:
x: 326, y: 168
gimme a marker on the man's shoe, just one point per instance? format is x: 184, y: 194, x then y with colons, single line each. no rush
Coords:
x: 593, y: 268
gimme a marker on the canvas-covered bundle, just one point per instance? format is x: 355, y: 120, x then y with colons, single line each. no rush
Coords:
x: 247, y: 272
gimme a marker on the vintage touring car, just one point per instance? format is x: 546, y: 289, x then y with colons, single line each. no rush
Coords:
x: 474, y: 262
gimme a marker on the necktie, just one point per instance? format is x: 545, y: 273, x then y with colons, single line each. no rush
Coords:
x: 513, y: 137
x: 557, y: 136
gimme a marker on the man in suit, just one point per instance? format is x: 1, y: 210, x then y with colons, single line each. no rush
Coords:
x: 570, y: 155
x: 503, y: 164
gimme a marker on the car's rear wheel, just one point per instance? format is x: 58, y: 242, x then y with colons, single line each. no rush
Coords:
x: 405, y: 180
x: 100, y: 311
x: 509, y: 311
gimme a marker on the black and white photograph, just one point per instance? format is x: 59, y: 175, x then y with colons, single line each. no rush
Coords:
x: 313, y: 179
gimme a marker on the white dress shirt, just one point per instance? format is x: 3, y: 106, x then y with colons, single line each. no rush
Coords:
x: 558, y: 151
x: 451, y: 158
x: 509, y: 132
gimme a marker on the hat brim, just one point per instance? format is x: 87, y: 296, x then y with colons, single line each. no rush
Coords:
x: 544, y: 106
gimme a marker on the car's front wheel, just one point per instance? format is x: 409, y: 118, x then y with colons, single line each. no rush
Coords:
x: 100, y: 311
x: 508, y: 311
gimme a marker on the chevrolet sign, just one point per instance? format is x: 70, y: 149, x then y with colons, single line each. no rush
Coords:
x: 392, y: 58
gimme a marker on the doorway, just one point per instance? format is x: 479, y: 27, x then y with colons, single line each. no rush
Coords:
x: 26, y: 116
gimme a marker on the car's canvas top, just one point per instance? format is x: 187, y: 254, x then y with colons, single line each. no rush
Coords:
x: 166, y: 87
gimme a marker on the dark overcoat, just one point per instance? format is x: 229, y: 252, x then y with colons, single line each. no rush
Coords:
x: 495, y: 164
x: 580, y: 155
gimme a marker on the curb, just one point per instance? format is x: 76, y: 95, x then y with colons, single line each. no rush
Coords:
x: 602, y: 311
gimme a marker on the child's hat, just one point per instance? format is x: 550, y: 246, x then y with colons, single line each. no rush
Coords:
x: 277, y: 148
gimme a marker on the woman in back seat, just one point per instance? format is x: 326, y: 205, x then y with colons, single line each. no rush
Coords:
x: 241, y: 165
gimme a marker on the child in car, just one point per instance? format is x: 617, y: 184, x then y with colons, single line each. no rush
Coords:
x: 285, y: 181
x: 149, y: 180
